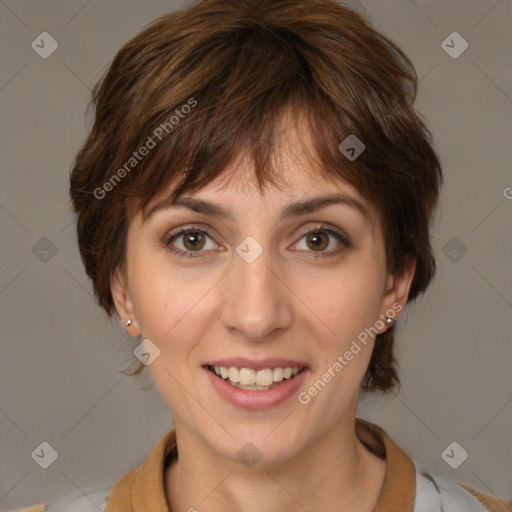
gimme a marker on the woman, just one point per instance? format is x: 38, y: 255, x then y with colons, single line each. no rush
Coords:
x: 254, y: 202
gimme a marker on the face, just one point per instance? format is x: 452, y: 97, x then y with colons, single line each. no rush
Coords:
x: 275, y: 292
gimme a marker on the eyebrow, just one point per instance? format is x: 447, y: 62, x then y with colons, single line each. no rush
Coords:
x: 291, y: 210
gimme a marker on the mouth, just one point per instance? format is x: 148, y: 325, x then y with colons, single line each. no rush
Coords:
x: 250, y: 379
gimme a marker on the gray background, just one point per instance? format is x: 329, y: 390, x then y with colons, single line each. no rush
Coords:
x: 60, y: 357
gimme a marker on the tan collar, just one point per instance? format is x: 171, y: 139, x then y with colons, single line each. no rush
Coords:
x: 399, y: 490
x: 143, y: 488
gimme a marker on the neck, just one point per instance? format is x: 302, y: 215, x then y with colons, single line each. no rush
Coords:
x: 336, y: 472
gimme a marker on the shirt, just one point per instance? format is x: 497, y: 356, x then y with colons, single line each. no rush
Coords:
x: 407, y: 487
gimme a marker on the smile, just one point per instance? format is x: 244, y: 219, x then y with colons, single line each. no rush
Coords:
x: 254, y: 380
x: 256, y: 385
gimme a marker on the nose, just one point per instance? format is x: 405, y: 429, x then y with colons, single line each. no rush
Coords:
x: 257, y: 304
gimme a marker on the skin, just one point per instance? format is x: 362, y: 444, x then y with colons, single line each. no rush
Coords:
x: 286, y: 304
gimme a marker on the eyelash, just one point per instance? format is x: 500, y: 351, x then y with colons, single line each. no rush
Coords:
x: 317, y: 229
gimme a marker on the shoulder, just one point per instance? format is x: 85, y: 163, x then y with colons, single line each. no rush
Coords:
x: 91, y: 502
x: 437, y: 493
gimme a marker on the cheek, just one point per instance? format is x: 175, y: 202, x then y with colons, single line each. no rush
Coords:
x: 165, y: 306
x: 349, y: 306
x: 347, y: 302
x: 169, y: 304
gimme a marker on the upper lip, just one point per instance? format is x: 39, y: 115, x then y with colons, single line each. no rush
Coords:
x: 240, y: 362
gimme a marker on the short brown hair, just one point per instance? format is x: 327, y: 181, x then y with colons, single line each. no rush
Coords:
x: 239, y: 65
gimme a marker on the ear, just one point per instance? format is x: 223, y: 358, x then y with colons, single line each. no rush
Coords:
x: 123, y: 301
x: 396, y: 290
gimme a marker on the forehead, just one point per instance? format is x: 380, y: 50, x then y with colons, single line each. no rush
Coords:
x: 293, y: 179
x: 235, y: 200
x: 236, y: 194
x: 294, y: 168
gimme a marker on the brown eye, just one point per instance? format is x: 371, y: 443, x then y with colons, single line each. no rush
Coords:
x: 322, y: 241
x: 317, y: 241
x: 194, y: 240
x: 190, y: 242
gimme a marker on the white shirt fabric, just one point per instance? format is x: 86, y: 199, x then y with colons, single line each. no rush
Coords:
x: 93, y: 502
x: 441, y: 494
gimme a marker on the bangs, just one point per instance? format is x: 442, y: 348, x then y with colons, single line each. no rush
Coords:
x: 254, y: 86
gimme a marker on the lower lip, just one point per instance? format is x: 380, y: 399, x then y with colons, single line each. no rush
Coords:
x: 257, y: 400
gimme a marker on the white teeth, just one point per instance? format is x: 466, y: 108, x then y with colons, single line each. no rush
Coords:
x: 233, y: 374
x: 247, y: 376
x: 264, y: 377
x: 250, y: 377
x: 278, y: 374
